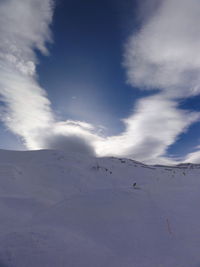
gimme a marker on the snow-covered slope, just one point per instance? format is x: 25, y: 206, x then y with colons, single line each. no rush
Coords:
x: 60, y: 210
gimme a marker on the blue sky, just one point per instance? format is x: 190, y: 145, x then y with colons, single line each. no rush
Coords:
x: 103, y: 77
x: 85, y: 63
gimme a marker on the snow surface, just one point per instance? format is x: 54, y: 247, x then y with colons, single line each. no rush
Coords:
x: 60, y: 210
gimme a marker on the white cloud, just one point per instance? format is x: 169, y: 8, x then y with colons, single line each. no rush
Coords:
x: 155, y: 124
x: 193, y: 157
x: 24, y: 26
x: 163, y: 54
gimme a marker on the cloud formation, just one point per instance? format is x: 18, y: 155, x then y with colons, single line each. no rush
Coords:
x: 72, y: 136
x: 162, y: 55
x: 193, y: 157
x: 24, y: 27
x: 155, y: 124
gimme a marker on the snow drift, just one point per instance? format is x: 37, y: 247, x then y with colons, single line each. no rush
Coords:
x: 67, y: 210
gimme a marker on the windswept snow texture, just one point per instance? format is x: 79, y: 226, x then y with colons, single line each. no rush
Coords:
x: 60, y: 210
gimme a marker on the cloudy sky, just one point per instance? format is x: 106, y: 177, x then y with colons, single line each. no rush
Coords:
x: 106, y: 78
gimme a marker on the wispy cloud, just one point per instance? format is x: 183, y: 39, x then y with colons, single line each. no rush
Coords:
x: 162, y: 55
x: 193, y: 157
x: 155, y: 124
x: 24, y: 27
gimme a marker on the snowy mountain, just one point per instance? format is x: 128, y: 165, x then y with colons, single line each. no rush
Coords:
x: 60, y: 210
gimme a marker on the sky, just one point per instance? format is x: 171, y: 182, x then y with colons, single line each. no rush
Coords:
x: 105, y: 78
